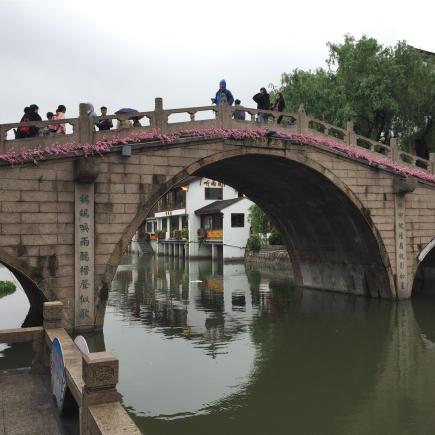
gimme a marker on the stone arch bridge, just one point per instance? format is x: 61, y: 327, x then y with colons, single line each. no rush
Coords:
x: 357, y: 216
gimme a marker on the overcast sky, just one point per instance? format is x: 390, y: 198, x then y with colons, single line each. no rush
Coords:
x: 125, y: 53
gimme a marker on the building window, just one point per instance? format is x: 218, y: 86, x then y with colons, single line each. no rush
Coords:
x: 213, y: 193
x: 212, y: 222
x: 237, y: 220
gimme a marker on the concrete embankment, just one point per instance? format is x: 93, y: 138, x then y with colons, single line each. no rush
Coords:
x: 270, y: 256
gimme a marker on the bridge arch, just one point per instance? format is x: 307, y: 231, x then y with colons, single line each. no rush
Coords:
x: 331, y: 238
x: 28, y: 279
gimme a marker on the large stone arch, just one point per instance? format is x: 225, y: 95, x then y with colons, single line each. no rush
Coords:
x: 29, y: 278
x: 366, y: 272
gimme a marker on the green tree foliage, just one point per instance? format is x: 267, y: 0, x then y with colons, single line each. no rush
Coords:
x: 383, y: 90
x: 275, y: 237
x: 253, y: 243
x: 258, y: 220
x: 6, y: 288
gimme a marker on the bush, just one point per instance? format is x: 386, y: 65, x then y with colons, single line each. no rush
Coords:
x: 176, y: 234
x: 160, y: 234
x: 275, y: 237
x: 7, y: 288
x: 254, y: 243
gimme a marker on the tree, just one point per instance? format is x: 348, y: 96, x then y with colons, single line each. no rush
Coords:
x: 258, y: 220
x: 384, y: 90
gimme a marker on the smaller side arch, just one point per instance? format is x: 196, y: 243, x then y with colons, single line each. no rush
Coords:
x: 28, y: 279
x: 424, y: 275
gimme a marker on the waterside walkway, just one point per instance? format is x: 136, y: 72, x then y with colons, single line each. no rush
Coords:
x: 26, y: 406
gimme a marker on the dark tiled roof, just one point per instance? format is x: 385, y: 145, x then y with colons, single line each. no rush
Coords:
x: 217, y: 206
x: 185, y: 181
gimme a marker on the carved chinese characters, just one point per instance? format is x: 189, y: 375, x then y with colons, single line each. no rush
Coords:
x: 401, y: 265
x: 84, y: 254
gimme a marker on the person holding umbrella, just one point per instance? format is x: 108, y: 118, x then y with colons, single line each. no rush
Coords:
x: 125, y: 121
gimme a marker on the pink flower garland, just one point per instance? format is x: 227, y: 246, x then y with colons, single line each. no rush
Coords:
x: 105, y: 145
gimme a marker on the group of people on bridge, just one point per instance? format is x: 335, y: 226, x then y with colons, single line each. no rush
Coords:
x: 262, y: 99
x: 31, y: 114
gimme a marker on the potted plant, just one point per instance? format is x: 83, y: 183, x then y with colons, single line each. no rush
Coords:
x: 176, y: 234
x: 160, y: 234
x: 185, y: 233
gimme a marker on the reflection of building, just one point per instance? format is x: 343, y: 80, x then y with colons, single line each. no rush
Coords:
x: 205, y: 301
x: 200, y: 218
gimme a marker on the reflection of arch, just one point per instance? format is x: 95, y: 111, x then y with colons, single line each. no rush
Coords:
x: 338, y: 245
x: 424, y: 279
x: 28, y: 278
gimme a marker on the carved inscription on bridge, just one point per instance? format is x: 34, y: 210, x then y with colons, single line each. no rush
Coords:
x: 401, y: 263
x: 84, y: 254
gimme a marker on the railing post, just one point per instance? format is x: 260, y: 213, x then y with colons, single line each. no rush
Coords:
x: 158, y: 120
x: 224, y: 113
x: 53, y: 315
x: 351, y: 136
x: 39, y: 357
x: 394, y: 150
x: 85, y: 127
x: 2, y: 140
x: 100, y: 371
x: 432, y: 162
x: 302, y: 119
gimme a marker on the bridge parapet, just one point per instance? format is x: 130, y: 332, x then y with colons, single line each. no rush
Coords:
x: 221, y: 117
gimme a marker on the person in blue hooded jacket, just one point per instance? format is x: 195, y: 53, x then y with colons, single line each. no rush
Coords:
x: 223, y: 90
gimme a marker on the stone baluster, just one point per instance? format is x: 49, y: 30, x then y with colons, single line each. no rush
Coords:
x: 3, y: 134
x: 351, y: 136
x: 224, y: 113
x: 394, y: 151
x: 302, y: 119
x: 432, y: 163
x: 53, y: 315
x: 39, y: 360
x: 100, y: 371
x: 85, y: 125
x: 159, y: 119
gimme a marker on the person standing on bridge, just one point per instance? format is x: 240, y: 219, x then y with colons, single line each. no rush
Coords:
x: 239, y: 114
x: 60, y: 114
x: 34, y: 116
x: 263, y: 102
x: 279, y: 105
x: 104, y: 123
x: 23, y: 132
x: 223, y: 91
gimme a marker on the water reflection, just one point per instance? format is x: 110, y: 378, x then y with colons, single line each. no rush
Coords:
x: 211, y: 349
x: 13, y: 310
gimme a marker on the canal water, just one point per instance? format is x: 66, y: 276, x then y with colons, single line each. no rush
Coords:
x: 207, y: 348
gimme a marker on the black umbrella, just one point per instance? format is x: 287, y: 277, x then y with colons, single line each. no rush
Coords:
x: 128, y: 111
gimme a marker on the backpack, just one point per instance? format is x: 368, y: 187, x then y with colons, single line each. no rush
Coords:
x: 25, y: 130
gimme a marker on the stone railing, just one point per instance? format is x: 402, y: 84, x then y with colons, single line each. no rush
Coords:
x: 91, y: 379
x: 165, y: 120
x: 33, y: 335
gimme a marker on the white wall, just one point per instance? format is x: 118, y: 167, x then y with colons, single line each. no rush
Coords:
x: 195, y: 199
x: 235, y: 239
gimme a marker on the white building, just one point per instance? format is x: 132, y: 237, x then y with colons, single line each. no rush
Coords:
x: 200, y: 218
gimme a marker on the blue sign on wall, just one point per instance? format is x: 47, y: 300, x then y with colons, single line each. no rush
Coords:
x: 57, y: 368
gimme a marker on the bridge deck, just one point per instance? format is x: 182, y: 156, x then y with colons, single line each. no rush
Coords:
x: 26, y: 406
